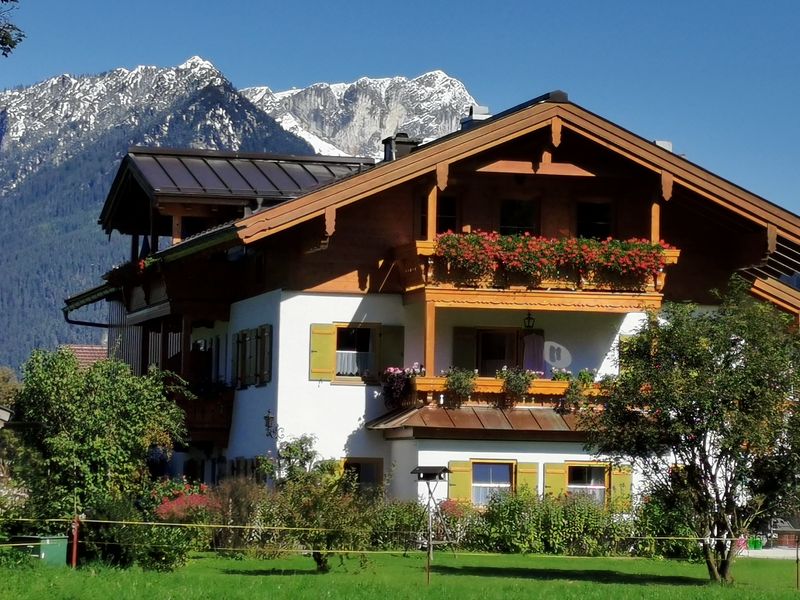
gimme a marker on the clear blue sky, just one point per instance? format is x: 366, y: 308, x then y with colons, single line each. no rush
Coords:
x: 719, y: 79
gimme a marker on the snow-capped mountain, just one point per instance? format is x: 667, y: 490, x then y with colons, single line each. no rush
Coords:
x: 61, y: 141
x: 353, y: 118
x: 191, y: 105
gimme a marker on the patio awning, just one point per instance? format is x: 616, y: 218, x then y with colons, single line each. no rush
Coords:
x: 479, y: 422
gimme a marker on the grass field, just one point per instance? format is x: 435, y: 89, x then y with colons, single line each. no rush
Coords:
x: 384, y: 577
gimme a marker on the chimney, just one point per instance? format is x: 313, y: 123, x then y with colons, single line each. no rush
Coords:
x: 665, y: 144
x: 476, y: 115
x: 398, y: 146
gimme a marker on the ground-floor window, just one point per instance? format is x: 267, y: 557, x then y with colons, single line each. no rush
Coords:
x: 367, y: 472
x: 488, y: 479
x: 588, y: 480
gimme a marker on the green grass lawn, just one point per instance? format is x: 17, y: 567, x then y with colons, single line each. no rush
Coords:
x: 384, y: 577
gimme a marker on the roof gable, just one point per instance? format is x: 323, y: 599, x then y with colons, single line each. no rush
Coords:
x: 554, y: 113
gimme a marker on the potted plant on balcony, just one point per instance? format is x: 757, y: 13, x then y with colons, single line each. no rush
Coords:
x: 458, y: 385
x: 398, y: 384
x: 516, y: 384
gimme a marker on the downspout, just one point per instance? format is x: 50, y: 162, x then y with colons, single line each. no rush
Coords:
x: 66, y: 312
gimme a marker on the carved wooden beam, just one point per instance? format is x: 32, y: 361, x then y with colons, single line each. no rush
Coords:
x: 555, y: 131
x: 772, y: 238
x: 655, y: 222
x: 514, y: 167
x: 433, y: 200
x: 330, y: 221
x: 442, y: 173
x: 177, y: 229
x: 666, y: 185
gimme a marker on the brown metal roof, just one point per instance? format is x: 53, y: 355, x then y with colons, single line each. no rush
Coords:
x: 211, y: 177
x: 478, y: 421
x: 203, y: 172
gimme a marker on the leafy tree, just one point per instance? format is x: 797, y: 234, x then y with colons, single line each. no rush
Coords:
x: 10, y: 34
x: 87, y: 432
x: 704, y: 404
x: 9, y: 386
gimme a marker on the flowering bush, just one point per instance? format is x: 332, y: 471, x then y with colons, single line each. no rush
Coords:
x: 561, y: 374
x: 397, y: 383
x: 481, y: 253
x: 475, y: 253
x: 459, y: 384
x: 517, y: 382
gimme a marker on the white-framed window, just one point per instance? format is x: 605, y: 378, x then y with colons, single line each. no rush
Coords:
x: 588, y: 480
x: 490, y: 478
x: 356, y: 349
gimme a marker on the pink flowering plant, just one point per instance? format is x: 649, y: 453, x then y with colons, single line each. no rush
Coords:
x: 180, y: 501
x: 398, y: 383
x: 479, y: 254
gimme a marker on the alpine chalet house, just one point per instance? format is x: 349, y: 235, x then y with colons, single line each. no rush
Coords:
x: 536, y: 238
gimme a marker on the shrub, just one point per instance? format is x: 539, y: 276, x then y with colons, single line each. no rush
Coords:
x: 397, y: 524
x: 237, y: 501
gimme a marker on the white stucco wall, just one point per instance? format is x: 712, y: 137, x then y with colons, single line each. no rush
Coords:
x: 334, y: 412
x: 441, y: 452
x: 248, y: 438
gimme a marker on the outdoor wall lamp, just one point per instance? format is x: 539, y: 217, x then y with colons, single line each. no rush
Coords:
x: 528, y: 321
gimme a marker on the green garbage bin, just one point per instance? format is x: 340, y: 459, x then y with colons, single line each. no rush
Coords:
x: 52, y: 549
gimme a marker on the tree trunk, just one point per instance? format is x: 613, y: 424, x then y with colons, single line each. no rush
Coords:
x: 322, y: 562
x: 711, y: 562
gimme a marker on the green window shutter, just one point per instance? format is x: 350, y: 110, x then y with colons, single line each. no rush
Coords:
x: 528, y: 476
x: 465, y: 347
x: 250, y: 357
x: 322, y: 352
x: 620, y: 487
x: 555, y: 479
x: 392, y: 347
x: 460, y: 480
x: 264, y: 362
x: 237, y: 360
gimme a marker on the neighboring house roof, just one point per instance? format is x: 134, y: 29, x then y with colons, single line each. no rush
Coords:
x: 86, y: 354
x: 522, y: 422
x: 219, y: 178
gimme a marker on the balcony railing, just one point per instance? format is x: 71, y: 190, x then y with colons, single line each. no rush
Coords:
x: 208, y: 416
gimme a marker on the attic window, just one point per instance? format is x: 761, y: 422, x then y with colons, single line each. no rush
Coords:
x: 519, y: 216
x: 593, y: 220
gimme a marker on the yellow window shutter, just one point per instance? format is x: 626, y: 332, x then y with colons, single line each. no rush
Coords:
x: 322, y: 356
x: 620, y: 487
x: 555, y: 479
x: 460, y: 480
x: 528, y: 476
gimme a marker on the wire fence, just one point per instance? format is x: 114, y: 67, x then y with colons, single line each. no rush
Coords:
x: 279, y: 539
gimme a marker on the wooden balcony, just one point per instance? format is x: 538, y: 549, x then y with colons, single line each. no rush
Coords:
x: 489, y: 390
x: 427, y: 277
x: 208, y: 416
x: 493, y: 385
